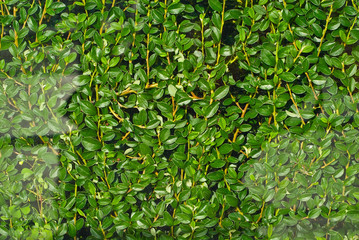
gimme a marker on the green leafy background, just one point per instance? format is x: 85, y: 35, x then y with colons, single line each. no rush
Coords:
x: 216, y: 119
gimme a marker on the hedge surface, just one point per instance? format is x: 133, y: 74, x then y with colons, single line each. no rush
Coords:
x: 179, y: 119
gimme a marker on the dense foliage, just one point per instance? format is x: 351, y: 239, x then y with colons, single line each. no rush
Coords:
x: 215, y: 119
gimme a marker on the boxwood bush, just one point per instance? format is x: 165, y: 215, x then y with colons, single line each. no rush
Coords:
x: 177, y: 119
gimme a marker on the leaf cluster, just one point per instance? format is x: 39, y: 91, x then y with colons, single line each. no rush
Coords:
x: 176, y: 119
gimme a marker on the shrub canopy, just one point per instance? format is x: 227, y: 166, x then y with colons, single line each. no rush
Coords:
x: 179, y: 119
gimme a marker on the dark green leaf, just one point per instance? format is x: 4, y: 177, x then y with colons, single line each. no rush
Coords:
x: 225, y: 148
x: 88, y: 108
x: 267, y: 57
x: 287, y: 76
x: 176, y: 8
x: 215, y: 5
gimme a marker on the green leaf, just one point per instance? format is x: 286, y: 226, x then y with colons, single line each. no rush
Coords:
x: 98, y: 39
x: 225, y: 148
x: 172, y: 90
x: 58, y: 7
x: 102, y: 103
x: 353, y: 215
x: 356, y: 195
x: 216, y: 34
x: 226, y: 51
x: 144, y: 149
x: 338, y: 4
x: 337, y: 50
x: 48, y: 3
x: 26, y: 210
x: 215, y: 5
x: 222, y: 123
x: 83, y: 171
x: 118, y: 50
x: 307, y: 114
x: 211, y: 110
x: 307, y: 48
x: 79, y: 224
x: 158, y: 16
x: 319, y: 80
x: 274, y: 16
x: 355, y: 34
x: 245, y: 127
x: 186, y: 26
x: 218, y: 163
x: 314, y: 213
x: 26, y: 172
x: 183, y: 218
x: 88, y: 108
x: 232, y: 201
x: 351, y: 70
x: 142, y: 75
x: 176, y: 8
x: 184, y: 195
x: 33, y: 24
x: 221, y: 92
x: 50, y: 158
x: 91, y: 144
x: 164, y: 107
x: 215, y: 176
x: 287, y: 76
x: 350, y: 10
x: 153, y: 124
x: 81, y: 80
x: 270, y: 230
x: 91, y: 188
x: 114, y: 61
x: 267, y: 57
x: 23, y: 32
x: 268, y: 196
x: 71, y: 229
x: 265, y: 110
x: 266, y: 85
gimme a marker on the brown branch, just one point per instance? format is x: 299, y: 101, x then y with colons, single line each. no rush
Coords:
x: 129, y: 90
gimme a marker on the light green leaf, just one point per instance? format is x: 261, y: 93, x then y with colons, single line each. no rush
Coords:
x: 172, y: 90
x: 50, y: 158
